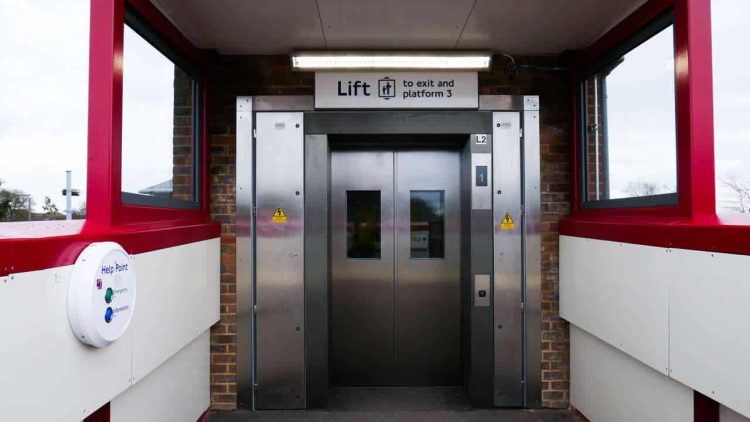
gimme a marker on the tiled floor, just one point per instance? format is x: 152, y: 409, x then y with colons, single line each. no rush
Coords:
x: 398, y: 404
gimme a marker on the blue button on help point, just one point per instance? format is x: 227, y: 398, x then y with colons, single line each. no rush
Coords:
x: 108, y: 315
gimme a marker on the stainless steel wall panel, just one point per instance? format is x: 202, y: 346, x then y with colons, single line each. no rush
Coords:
x: 532, y: 255
x: 428, y: 290
x: 508, y: 259
x: 531, y: 103
x: 317, y: 166
x: 362, y: 290
x: 283, y: 103
x: 244, y: 230
x: 501, y: 102
x: 280, y: 349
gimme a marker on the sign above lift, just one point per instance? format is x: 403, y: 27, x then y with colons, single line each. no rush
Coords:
x: 398, y: 90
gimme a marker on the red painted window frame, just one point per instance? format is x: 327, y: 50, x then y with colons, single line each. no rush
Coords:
x: 137, y: 228
x: 692, y: 223
x: 105, y: 116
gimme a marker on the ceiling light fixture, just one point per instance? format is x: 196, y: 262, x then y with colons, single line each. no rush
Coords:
x: 448, y: 60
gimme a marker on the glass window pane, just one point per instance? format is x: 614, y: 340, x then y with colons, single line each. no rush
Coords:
x: 43, y: 108
x: 157, y: 123
x: 729, y: 36
x: 363, y: 224
x: 630, y: 132
x: 427, y: 209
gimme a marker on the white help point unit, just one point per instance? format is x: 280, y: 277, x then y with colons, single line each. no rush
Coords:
x: 101, y: 295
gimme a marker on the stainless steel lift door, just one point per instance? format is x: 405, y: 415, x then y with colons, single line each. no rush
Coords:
x: 362, y: 318
x: 395, y: 294
x: 428, y: 289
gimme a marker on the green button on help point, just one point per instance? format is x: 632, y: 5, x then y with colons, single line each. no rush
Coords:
x: 108, y: 295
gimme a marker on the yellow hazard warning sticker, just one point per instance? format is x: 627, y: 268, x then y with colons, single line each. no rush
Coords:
x: 279, y: 216
x: 507, y: 223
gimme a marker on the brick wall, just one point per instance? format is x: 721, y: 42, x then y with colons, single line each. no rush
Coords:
x: 552, y: 88
x: 271, y: 75
x: 232, y: 77
x: 182, y: 138
x: 596, y: 164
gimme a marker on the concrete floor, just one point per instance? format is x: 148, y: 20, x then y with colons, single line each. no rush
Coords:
x: 398, y: 404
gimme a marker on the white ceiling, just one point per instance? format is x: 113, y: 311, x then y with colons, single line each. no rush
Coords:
x: 507, y: 26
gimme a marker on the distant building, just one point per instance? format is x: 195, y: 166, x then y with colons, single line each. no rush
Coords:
x: 161, y: 190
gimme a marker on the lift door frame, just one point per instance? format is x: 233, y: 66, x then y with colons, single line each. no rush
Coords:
x: 523, y: 388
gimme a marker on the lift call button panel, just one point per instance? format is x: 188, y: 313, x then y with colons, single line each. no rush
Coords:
x: 481, y: 289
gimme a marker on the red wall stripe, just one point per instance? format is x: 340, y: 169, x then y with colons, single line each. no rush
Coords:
x: 705, y: 409
x: 101, y: 414
x: 31, y: 254
x: 667, y: 233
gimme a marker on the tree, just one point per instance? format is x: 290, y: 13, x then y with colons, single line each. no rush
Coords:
x: 80, y: 212
x: 742, y: 192
x: 641, y: 188
x: 18, y: 204
x: 4, y: 202
x: 49, y: 207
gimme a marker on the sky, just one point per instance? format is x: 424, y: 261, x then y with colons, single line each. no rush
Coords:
x: 43, y: 96
x: 641, y: 118
x: 148, y: 105
x: 731, y: 70
x: 44, y: 102
x: 44, y: 83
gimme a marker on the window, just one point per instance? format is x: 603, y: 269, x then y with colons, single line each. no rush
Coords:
x: 43, y: 108
x: 427, y: 210
x: 731, y: 104
x: 159, y: 123
x: 363, y: 224
x: 629, y: 125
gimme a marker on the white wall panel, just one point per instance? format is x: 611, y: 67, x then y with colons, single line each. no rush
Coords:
x: 608, y: 385
x: 728, y: 415
x: 178, y: 298
x: 620, y: 293
x: 47, y: 374
x: 710, y: 329
x: 178, y: 390
x: 682, y: 310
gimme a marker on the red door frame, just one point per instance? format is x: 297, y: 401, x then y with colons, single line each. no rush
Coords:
x: 692, y: 223
x: 104, y: 204
x: 137, y: 228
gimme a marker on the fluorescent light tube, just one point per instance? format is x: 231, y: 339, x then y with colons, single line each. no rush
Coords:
x: 391, y: 60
